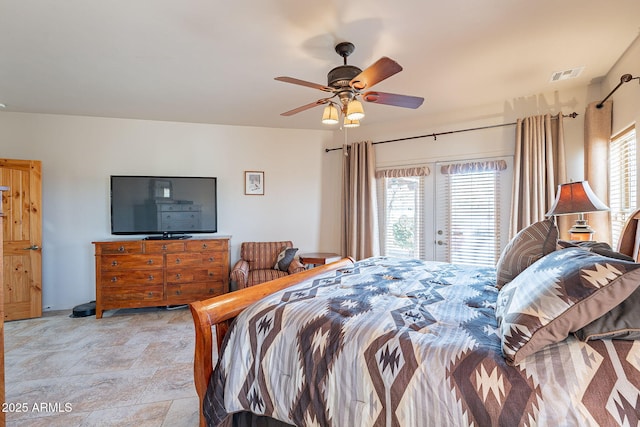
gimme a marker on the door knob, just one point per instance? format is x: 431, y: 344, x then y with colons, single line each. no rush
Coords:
x: 440, y: 242
x: 32, y: 248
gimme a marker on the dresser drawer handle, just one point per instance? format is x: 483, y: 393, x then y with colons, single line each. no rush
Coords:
x: 178, y: 276
x: 150, y: 278
x: 164, y: 247
x: 150, y: 294
x: 210, y: 259
x: 210, y: 274
x: 114, y: 263
x: 150, y: 262
x: 204, y: 246
x: 177, y: 260
x: 211, y: 290
x: 114, y: 279
x: 178, y: 292
x: 121, y: 249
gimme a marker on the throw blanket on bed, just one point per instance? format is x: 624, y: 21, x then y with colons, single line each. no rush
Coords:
x: 394, y: 342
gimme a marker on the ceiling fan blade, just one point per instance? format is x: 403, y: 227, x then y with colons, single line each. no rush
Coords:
x: 394, y: 99
x: 380, y: 70
x: 304, y: 83
x: 304, y: 107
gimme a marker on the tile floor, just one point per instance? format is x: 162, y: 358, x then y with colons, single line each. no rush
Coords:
x: 130, y: 368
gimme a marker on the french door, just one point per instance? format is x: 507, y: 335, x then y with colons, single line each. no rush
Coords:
x: 471, y: 210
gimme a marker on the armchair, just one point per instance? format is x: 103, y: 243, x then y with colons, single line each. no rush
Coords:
x: 257, y: 261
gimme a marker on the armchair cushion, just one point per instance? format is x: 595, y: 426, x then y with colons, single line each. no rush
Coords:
x: 264, y: 275
x: 284, y: 259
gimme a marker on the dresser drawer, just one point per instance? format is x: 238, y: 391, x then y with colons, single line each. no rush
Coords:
x: 137, y: 294
x: 188, y: 275
x: 133, y: 247
x: 207, y: 245
x: 187, y: 259
x: 185, y: 293
x: 129, y: 262
x: 132, y: 277
x: 163, y: 247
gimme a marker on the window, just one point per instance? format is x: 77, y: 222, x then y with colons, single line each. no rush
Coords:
x: 469, y: 212
x: 401, y: 205
x: 622, y: 180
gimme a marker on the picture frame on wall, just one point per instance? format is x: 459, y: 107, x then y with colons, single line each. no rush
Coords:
x: 254, y: 183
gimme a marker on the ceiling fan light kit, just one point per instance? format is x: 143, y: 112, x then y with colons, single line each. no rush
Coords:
x: 346, y: 82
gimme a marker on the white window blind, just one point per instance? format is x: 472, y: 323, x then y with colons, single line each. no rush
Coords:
x: 401, y: 203
x: 469, y: 195
x: 622, y: 181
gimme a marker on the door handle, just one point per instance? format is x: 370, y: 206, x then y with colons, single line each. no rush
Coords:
x: 32, y: 248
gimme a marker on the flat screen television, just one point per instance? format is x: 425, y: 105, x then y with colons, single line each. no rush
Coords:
x: 163, y: 206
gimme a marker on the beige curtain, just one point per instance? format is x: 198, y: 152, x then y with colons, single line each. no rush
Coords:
x: 597, y: 134
x: 539, y: 167
x: 359, y: 208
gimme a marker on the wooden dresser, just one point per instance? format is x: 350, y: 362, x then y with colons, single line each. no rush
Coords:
x: 148, y: 273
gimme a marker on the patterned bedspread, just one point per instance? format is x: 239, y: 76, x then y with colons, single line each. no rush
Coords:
x: 396, y: 342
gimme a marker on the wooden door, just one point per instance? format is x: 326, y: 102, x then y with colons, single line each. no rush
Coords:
x: 22, y: 229
x: 2, y: 387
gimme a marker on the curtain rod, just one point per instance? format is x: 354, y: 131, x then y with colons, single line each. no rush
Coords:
x: 436, y: 134
x: 623, y: 79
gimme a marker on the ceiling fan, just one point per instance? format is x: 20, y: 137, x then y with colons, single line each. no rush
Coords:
x: 347, y: 83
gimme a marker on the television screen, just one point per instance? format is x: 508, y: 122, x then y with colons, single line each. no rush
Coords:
x: 167, y: 205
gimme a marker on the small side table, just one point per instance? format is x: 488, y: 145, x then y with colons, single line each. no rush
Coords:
x: 314, y: 259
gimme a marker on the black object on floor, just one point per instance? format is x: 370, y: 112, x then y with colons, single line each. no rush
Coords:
x: 84, y: 310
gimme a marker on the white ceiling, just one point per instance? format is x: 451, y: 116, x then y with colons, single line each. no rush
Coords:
x: 215, y: 61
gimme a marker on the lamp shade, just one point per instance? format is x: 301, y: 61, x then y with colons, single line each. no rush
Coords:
x: 330, y: 115
x: 576, y: 197
x: 350, y: 123
x: 355, y: 110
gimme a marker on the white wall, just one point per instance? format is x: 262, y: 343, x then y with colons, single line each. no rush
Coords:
x: 79, y: 154
x: 626, y: 100
x: 497, y: 141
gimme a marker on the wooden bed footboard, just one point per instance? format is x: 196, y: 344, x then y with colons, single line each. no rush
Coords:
x: 220, y: 311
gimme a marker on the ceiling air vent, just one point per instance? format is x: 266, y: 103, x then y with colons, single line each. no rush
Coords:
x: 566, y: 74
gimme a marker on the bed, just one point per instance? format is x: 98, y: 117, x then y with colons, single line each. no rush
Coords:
x: 405, y: 342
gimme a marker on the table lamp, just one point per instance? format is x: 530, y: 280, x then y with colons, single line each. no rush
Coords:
x: 577, y: 198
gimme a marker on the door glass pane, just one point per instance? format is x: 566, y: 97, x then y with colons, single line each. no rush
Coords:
x: 403, y: 201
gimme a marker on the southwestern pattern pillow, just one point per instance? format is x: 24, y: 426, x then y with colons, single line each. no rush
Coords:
x: 557, y: 295
x: 528, y: 246
x: 285, y: 257
x: 620, y: 323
